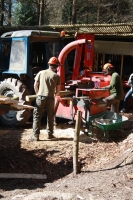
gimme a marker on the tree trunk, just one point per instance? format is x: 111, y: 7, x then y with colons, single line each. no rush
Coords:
x: 1, y: 12
x: 41, y: 16
x: 98, y: 11
x: 73, y: 21
x: 9, y: 12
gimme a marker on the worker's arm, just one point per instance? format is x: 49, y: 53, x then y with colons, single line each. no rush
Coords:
x: 36, y: 86
x: 57, y: 90
x: 129, y: 80
x: 36, y: 83
x: 107, y: 87
x: 113, y: 82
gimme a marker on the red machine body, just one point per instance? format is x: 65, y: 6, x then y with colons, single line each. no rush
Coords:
x: 81, y: 85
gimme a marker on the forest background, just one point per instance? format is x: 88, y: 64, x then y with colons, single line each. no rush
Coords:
x: 55, y: 12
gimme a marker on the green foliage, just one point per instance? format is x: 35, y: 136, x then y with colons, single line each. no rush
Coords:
x: 114, y: 11
x: 84, y: 12
x: 67, y: 12
x: 25, y: 14
x: 99, y: 11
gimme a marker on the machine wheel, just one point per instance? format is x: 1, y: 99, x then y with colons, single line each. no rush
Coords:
x: 12, y: 87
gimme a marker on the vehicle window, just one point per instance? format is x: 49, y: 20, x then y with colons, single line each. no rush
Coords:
x: 5, y: 54
x: 18, y: 55
x: 38, y: 55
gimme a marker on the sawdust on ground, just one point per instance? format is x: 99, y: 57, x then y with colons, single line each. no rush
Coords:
x: 106, y: 171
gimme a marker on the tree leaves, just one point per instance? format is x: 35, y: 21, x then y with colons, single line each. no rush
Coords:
x: 44, y: 12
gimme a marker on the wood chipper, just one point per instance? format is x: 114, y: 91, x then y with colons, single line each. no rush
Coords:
x: 80, y: 82
x: 24, y: 53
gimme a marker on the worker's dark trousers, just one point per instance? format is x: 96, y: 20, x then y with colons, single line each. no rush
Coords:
x: 42, y: 104
x: 127, y: 96
x: 113, y: 102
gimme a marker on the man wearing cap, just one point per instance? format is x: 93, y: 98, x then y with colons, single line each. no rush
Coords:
x: 115, y: 87
x: 46, y: 86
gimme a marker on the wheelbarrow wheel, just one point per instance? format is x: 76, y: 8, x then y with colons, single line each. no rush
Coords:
x: 106, y: 136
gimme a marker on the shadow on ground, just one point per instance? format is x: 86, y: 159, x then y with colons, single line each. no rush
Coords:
x: 15, y: 159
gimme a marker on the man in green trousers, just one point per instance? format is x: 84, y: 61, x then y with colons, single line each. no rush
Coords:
x: 46, y: 86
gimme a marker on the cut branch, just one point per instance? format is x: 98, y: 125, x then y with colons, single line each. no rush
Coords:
x: 7, y: 104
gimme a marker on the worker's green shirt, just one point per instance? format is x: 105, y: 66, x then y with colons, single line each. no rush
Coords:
x: 115, y: 86
x: 48, y: 80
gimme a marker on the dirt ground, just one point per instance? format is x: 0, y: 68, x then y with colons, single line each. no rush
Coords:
x: 106, y: 170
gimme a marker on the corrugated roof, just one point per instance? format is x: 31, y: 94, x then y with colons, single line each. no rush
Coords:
x: 100, y: 29
x: 118, y: 29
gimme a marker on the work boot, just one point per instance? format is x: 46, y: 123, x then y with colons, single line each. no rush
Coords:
x: 50, y: 136
x: 123, y: 110
x: 34, y: 138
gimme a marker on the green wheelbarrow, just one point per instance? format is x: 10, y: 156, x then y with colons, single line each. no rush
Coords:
x: 107, y: 122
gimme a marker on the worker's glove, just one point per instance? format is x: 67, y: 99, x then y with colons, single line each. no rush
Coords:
x: 97, y: 87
